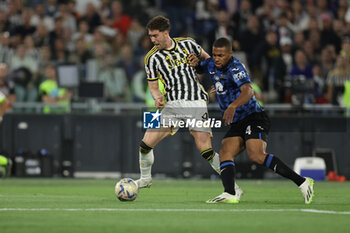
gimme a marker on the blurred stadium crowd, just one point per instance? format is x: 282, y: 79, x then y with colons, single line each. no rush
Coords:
x: 290, y: 47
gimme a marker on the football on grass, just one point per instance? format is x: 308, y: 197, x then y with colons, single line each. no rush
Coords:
x: 126, y: 189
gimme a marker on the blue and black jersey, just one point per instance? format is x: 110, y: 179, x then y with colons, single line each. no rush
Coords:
x: 227, y: 82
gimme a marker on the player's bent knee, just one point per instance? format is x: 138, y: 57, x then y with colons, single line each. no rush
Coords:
x: 144, y: 148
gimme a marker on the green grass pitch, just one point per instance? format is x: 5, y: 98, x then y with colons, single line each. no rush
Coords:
x: 90, y: 206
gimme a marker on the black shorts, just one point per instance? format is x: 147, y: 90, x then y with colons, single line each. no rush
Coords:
x: 254, y: 126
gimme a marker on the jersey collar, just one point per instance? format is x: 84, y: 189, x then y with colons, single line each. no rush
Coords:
x: 173, y: 45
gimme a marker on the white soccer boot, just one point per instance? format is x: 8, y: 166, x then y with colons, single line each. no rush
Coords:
x: 224, y: 198
x: 144, y: 182
x: 307, y: 189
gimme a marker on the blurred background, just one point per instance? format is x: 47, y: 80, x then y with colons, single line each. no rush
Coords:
x: 73, y: 74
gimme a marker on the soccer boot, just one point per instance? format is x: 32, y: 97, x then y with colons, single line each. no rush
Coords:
x: 224, y: 198
x: 307, y: 189
x: 144, y: 182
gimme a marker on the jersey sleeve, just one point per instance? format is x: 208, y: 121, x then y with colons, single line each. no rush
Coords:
x: 151, y: 69
x: 195, y: 48
x: 203, y: 67
x: 239, y: 74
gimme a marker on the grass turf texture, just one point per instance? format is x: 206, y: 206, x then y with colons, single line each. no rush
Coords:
x: 82, y: 205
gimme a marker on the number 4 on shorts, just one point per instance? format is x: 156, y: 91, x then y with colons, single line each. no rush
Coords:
x: 248, y: 130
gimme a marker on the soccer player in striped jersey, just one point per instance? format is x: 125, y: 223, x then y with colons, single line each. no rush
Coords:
x: 249, y: 124
x: 169, y: 61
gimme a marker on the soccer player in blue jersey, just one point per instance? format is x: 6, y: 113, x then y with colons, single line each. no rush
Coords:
x: 249, y: 124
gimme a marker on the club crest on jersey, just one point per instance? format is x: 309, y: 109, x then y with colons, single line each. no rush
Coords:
x: 219, y: 88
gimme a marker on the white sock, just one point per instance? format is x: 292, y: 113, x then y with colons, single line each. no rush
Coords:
x: 146, y: 161
x: 215, y: 163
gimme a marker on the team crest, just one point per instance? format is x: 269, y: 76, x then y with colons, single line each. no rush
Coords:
x: 219, y: 88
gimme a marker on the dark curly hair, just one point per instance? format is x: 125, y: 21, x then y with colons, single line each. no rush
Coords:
x: 159, y: 23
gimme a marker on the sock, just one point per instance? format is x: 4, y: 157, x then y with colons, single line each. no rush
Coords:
x: 228, y: 176
x: 208, y: 154
x: 282, y: 169
x: 213, y: 158
x: 146, y: 159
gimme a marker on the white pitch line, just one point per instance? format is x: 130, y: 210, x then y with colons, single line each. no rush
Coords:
x: 177, y: 210
x: 325, y: 211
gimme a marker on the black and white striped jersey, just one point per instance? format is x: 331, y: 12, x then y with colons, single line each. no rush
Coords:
x: 172, y: 68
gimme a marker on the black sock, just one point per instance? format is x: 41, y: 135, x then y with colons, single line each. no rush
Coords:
x: 228, y: 176
x: 282, y: 169
x: 208, y: 154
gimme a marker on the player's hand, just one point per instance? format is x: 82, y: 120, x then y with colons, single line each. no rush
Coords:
x: 159, y: 102
x: 228, y: 115
x: 193, y: 60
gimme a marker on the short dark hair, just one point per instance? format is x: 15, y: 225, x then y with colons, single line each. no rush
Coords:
x: 223, y: 42
x: 159, y: 23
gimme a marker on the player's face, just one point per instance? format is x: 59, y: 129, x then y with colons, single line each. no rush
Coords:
x: 158, y: 38
x: 221, y: 56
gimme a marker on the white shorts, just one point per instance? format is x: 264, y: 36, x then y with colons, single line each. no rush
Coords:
x: 185, y: 114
